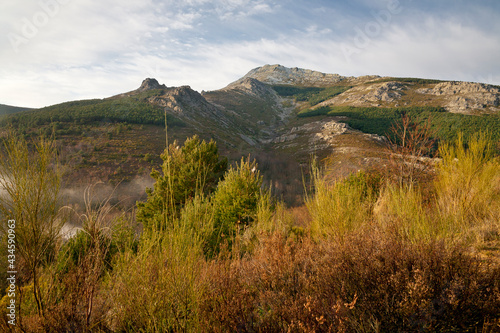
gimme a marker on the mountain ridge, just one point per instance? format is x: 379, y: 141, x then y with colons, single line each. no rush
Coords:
x: 9, y: 109
x: 272, y: 110
x: 278, y: 74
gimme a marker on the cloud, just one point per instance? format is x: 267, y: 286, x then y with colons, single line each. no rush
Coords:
x: 92, y: 48
x: 435, y: 48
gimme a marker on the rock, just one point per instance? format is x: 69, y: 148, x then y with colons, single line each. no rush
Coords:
x: 463, y: 97
x: 277, y: 74
x: 285, y: 138
x: 252, y: 87
x: 331, y: 129
x: 368, y: 95
x: 248, y: 140
x: 453, y: 88
x: 149, y: 84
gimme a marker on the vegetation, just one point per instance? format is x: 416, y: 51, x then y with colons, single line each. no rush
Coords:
x: 445, y: 125
x: 236, y: 202
x: 313, y: 95
x: 406, y: 80
x: 7, y: 109
x: 133, y: 110
x: 410, y: 142
x: 217, y: 253
x: 30, y: 179
x: 194, y: 169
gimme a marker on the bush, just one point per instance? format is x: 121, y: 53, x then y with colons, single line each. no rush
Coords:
x: 376, y: 256
x: 160, y: 288
x: 468, y: 183
x: 342, y: 206
x: 367, y: 283
x: 400, y: 210
x: 30, y: 178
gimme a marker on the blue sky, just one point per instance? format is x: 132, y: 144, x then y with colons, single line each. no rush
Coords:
x: 59, y: 50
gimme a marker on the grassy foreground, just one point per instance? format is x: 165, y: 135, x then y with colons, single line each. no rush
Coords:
x: 217, y: 254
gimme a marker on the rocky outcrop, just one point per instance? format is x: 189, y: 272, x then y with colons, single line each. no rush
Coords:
x: 185, y: 102
x: 149, y: 84
x: 322, y: 131
x: 454, y: 88
x: 331, y: 129
x: 464, y: 97
x: 146, y: 85
x: 368, y: 95
x: 277, y: 74
x: 252, y: 87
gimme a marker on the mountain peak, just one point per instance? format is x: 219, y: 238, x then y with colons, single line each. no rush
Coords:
x: 278, y: 74
x: 150, y: 83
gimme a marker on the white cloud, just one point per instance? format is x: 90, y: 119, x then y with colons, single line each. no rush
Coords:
x: 93, y: 48
x: 442, y: 49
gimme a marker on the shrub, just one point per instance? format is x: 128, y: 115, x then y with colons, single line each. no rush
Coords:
x: 367, y: 283
x: 31, y: 179
x: 410, y: 145
x: 400, y: 210
x: 160, y: 288
x: 342, y: 206
x: 468, y: 184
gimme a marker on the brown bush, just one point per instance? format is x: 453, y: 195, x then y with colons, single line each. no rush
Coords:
x: 364, y: 284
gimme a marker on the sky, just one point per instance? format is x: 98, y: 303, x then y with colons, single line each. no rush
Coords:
x: 52, y: 51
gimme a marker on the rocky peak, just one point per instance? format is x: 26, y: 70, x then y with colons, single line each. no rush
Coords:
x: 277, y: 74
x: 149, y: 84
x: 251, y: 86
x: 184, y: 102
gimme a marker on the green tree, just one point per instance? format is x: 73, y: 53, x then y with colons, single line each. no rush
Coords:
x: 195, y: 168
x: 236, y: 201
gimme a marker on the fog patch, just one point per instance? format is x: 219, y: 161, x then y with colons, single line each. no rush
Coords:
x: 120, y: 199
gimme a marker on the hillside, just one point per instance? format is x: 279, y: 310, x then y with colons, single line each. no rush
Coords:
x: 8, y: 109
x: 279, y: 115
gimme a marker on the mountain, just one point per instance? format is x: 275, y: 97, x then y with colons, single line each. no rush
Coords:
x: 8, y: 109
x: 181, y: 102
x: 279, y: 115
x: 277, y: 74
